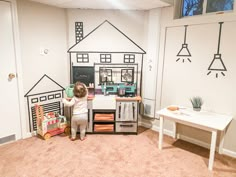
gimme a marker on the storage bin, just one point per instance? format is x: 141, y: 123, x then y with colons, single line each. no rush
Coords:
x: 104, y: 117
x: 103, y: 127
x: 126, y: 127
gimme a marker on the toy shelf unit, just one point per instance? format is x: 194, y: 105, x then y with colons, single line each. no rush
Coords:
x: 50, y: 124
x: 103, y: 121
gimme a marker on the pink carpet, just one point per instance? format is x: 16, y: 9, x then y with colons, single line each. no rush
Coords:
x: 110, y: 156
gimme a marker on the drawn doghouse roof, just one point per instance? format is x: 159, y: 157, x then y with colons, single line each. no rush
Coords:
x: 44, y: 85
x: 106, y: 38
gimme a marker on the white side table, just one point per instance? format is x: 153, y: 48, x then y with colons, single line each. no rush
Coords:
x: 203, y: 120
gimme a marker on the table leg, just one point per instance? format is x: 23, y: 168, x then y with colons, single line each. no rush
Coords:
x: 161, y: 132
x: 212, y: 150
x: 222, y: 137
x: 174, y: 130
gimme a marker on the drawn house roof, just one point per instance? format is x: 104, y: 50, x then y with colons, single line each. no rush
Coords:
x: 106, y: 38
x: 44, y: 85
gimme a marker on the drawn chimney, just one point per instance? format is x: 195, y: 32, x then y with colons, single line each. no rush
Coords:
x: 79, y: 33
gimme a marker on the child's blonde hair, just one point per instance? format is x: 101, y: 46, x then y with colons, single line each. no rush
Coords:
x: 80, y: 90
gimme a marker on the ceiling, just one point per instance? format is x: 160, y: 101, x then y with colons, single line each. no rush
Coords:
x: 108, y: 4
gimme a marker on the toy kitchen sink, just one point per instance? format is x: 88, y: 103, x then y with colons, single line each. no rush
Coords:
x: 108, y: 102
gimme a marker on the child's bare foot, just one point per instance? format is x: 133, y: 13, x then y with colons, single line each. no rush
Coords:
x: 72, y: 139
x: 82, y: 139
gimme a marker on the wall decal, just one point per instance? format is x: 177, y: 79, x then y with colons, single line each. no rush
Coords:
x: 82, y: 58
x: 105, y: 58
x: 105, y: 45
x: 47, y: 93
x: 129, y: 58
x: 184, y: 51
x: 111, y: 35
x: 79, y: 32
x: 217, y: 65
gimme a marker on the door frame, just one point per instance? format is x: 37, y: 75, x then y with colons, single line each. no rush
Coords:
x: 18, y: 62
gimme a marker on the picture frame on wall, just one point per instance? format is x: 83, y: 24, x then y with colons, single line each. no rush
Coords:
x: 127, y: 75
x: 108, y: 78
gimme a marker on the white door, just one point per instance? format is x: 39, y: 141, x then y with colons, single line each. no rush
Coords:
x: 10, y: 127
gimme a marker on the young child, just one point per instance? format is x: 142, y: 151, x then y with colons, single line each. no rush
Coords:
x: 80, y: 110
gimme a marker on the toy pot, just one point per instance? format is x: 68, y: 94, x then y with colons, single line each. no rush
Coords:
x: 70, y: 91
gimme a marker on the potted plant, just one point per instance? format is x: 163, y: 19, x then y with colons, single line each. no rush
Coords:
x: 197, y: 103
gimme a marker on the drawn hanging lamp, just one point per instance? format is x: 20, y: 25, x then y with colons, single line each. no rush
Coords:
x: 217, y: 63
x: 184, y: 51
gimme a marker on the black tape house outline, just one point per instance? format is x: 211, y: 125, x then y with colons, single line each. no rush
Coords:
x: 77, y: 49
x: 42, y: 98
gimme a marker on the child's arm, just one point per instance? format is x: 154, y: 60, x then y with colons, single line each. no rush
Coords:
x: 68, y: 103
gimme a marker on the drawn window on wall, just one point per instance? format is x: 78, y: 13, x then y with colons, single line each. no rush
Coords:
x: 129, y: 58
x: 105, y: 75
x: 82, y: 58
x: 220, y: 5
x: 192, y: 7
x: 105, y: 58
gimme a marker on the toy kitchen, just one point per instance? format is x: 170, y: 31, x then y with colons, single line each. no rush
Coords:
x: 113, y: 75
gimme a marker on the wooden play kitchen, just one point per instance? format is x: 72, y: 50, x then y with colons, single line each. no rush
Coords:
x: 111, y: 114
x: 107, y: 114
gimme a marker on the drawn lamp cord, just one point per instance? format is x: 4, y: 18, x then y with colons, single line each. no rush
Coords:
x: 217, y: 63
x: 184, y: 51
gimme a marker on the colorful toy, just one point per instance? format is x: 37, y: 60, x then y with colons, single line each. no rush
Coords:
x: 50, y: 124
x: 70, y: 91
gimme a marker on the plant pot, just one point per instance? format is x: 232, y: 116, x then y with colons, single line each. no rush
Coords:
x: 197, y: 109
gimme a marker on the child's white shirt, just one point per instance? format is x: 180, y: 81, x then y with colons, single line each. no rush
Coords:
x: 80, y: 105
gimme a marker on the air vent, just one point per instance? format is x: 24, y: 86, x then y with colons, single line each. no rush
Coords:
x: 7, y: 139
x: 147, y: 109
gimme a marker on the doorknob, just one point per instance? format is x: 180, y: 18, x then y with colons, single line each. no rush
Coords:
x: 11, y: 76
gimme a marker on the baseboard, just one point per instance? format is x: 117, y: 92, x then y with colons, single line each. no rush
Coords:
x: 188, y: 139
x: 156, y: 128
x: 229, y: 153
x: 28, y: 135
x: 195, y: 141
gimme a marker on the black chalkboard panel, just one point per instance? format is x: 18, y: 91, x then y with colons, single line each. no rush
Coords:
x: 83, y: 74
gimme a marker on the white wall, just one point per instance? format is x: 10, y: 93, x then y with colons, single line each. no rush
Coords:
x: 181, y: 81
x: 42, y: 26
x: 150, y: 64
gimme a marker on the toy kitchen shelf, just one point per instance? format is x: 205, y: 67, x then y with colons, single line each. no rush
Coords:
x: 109, y: 120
